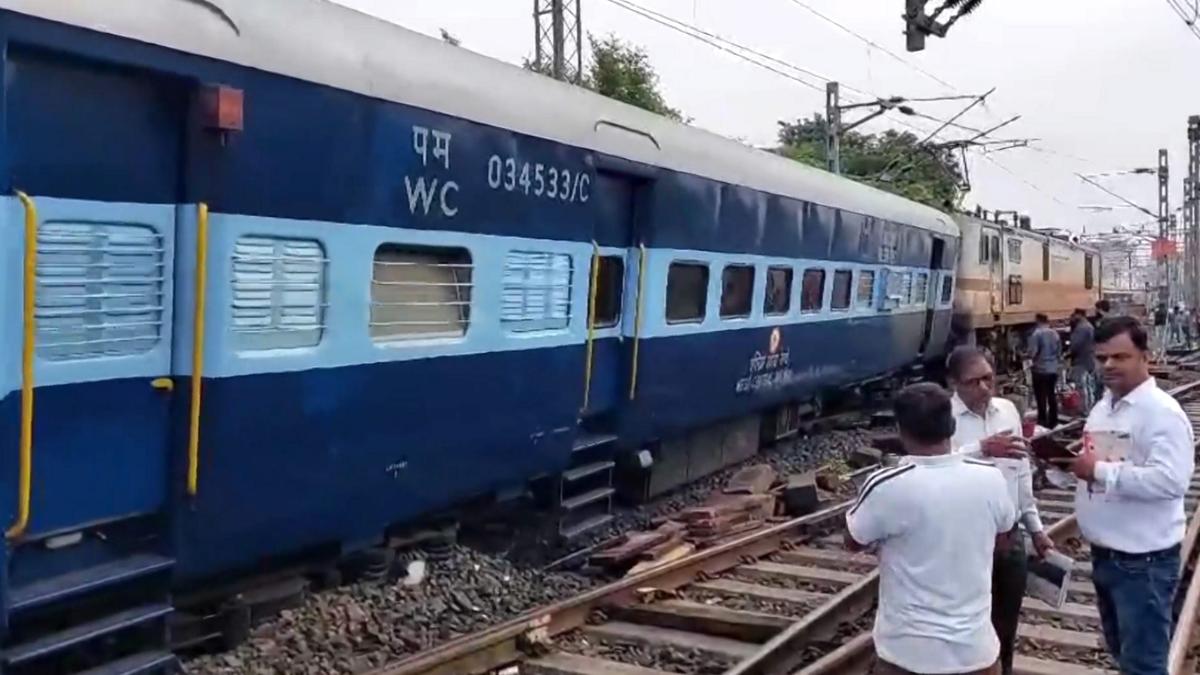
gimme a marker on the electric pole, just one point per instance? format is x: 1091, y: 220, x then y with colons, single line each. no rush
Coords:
x: 558, y: 39
x: 833, y: 128
x: 836, y: 125
x: 1191, y: 209
x: 1189, y: 246
x: 1164, y: 210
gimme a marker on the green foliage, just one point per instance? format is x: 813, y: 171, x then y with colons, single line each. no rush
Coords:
x: 623, y: 71
x: 620, y: 71
x: 890, y: 160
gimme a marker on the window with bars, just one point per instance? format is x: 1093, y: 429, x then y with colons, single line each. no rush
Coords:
x: 278, y: 299
x: 866, y: 289
x: 920, y: 289
x: 1014, y: 250
x: 99, y: 290
x: 536, y: 291
x: 899, y: 287
x: 947, y: 289
x: 420, y: 293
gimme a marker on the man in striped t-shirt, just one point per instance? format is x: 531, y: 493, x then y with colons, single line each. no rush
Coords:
x: 934, y: 520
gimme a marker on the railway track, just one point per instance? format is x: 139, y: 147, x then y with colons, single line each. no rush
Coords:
x: 786, y: 599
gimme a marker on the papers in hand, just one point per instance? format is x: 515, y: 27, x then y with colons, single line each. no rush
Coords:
x: 1109, y: 446
x: 1061, y: 479
x: 1048, y: 578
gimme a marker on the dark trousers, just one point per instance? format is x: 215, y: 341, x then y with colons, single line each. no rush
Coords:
x: 1135, y: 595
x: 1009, y: 568
x: 1047, y: 399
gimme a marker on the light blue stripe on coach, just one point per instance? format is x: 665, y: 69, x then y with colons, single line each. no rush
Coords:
x: 11, y: 235
x: 659, y: 261
x: 350, y: 251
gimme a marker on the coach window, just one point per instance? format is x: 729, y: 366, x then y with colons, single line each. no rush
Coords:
x: 842, y: 286
x: 420, y: 293
x: 278, y: 293
x: 1088, y: 279
x: 899, y: 288
x: 812, y: 290
x: 947, y: 289
x: 1046, y: 262
x: 865, y: 297
x: 535, y: 292
x: 1014, y: 251
x: 1016, y: 290
x: 610, y: 287
x: 779, y: 291
x: 687, y: 292
x: 920, y: 289
x: 983, y: 247
x: 737, y: 291
x: 100, y: 290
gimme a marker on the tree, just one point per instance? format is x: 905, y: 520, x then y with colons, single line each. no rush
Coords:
x: 621, y: 71
x: 892, y: 160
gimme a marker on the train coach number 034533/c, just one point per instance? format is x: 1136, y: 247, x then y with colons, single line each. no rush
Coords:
x: 538, y: 180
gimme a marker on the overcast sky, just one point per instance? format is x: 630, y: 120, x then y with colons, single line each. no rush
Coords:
x: 1102, y: 83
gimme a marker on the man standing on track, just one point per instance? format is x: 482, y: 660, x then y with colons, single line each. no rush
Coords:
x: 1083, y: 359
x: 991, y: 427
x: 1134, y: 470
x: 1045, y: 350
x: 935, y: 519
x: 1162, y: 332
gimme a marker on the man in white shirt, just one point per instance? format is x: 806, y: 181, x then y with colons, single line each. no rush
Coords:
x: 934, y: 519
x: 990, y: 427
x: 1134, y: 472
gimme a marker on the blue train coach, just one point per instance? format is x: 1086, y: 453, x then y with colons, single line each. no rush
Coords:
x: 279, y: 276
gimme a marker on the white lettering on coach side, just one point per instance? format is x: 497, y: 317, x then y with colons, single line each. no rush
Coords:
x: 534, y: 179
x: 428, y: 192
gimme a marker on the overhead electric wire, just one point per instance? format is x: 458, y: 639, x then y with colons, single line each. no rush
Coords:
x: 1183, y: 14
x: 1022, y: 178
x: 716, y: 40
x: 874, y: 44
x: 732, y: 48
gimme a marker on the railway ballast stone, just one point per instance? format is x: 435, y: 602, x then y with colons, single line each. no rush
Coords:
x: 361, y: 627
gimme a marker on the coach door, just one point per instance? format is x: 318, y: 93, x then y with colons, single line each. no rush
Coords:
x: 614, y: 290
x: 932, y: 289
x: 995, y: 271
x: 100, y: 335
x: 98, y: 324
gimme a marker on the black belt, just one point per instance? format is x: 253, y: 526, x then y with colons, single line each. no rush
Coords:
x: 1101, y: 553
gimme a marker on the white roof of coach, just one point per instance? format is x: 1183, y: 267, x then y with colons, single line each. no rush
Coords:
x: 968, y: 220
x: 326, y: 43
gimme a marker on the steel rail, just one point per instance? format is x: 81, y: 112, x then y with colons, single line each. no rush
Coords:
x: 784, y: 653
x: 506, y: 643
x: 858, y: 653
